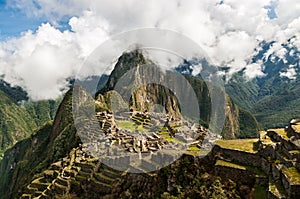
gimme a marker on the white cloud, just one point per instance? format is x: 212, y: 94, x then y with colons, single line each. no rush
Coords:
x: 228, y: 32
x: 42, y: 61
x: 254, y: 70
x: 290, y: 73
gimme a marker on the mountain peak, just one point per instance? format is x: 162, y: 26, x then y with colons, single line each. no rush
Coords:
x: 126, y: 62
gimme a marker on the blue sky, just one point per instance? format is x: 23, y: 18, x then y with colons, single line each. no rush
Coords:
x: 13, y: 22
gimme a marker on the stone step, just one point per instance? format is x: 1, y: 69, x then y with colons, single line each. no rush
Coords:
x: 84, y: 174
x: 59, y: 189
x: 100, y: 187
x: 56, y: 166
x: 41, y: 186
x: 26, y: 196
x: 283, y: 159
x: 43, y: 196
x: 147, y: 165
x: 61, y: 181
x: 50, y: 175
x: 85, y: 166
x: 110, y: 173
x: 80, y: 178
x: 31, y: 190
x: 102, y: 178
x: 133, y: 169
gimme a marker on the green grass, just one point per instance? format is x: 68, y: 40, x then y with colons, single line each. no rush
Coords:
x: 171, y: 139
x: 229, y: 164
x: 296, y: 127
x: 281, y: 132
x: 246, y: 145
x: 292, y: 174
x: 129, y: 125
x: 240, y: 166
x: 193, y: 148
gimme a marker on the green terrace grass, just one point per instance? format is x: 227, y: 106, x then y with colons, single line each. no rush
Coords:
x: 281, y: 132
x: 129, y: 125
x: 163, y: 131
x: 292, y: 174
x: 197, y: 153
x: 229, y: 164
x: 246, y: 145
x: 193, y: 148
x: 266, y: 140
x: 174, y: 140
x: 296, y: 127
x: 240, y: 166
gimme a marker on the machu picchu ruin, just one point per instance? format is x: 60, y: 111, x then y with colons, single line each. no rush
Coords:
x: 268, y: 165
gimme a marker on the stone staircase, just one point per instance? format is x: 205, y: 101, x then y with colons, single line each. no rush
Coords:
x: 70, y: 175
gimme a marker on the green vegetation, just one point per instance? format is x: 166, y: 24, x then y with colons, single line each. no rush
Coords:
x: 248, y: 125
x: 191, y: 181
x: 193, y: 148
x: 42, y: 111
x: 174, y: 140
x: 16, y: 123
x: 230, y: 164
x: 246, y: 145
x: 281, y: 132
x: 292, y: 174
x: 273, y: 100
x: 235, y: 165
x: 129, y: 125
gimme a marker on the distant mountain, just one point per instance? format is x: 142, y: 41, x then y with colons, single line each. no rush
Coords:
x: 273, y: 99
x: 15, y: 93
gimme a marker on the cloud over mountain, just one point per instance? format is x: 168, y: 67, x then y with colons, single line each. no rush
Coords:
x: 229, y: 31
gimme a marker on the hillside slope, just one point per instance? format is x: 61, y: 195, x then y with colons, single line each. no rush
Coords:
x: 34, y: 154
